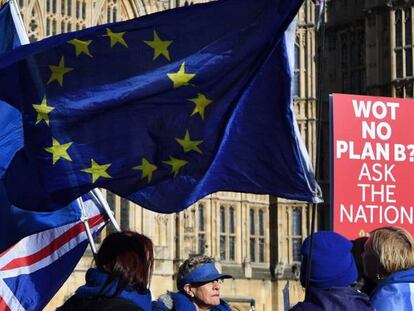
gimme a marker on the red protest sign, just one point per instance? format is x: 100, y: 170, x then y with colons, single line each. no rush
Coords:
x: 372, y: 159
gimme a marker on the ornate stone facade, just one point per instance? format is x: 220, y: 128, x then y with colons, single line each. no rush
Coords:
x: 368, y: 50
x: 256, y: 238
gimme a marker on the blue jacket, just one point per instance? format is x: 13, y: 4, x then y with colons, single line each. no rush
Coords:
x: 395, y: 292
x: 334, y: 299
x: 180, y: 302
x: 95, y: 293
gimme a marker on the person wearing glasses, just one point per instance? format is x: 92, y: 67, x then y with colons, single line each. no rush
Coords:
x: 199, y: 284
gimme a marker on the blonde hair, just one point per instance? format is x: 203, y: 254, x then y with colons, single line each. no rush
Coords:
x: 393, y: 247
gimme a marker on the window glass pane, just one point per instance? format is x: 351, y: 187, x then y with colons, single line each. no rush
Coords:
x: 84, y: 10
x: 252, y: 249
x: 409, y: 90
x: 201, y: 243
x: 296, y: 244
x: 252, y: 231
x: 223, y: 247
x: 296, y: 222
x: 110, y: 198
x: 201, y: 217
x: 261, y: 250
x: 399, y: 91
x: 69, y: 4
x: 398, y: 27
x: 408, y: 28
x: 124, y: 214
x: 232, y: 220
x: 409, y: 62
x: 78, y: 8
x: 222, y: 219
x: 296, y: 83
x: 114, y: 17
x: 399, y: 63
x: 361, y: 49
x: 261, y: 222
x: 232, y: 248
x: 53, y: 27
x: 345, y: 82
x: 344, y: 50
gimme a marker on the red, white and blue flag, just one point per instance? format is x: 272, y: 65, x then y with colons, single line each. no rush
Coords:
x: 34, y: 269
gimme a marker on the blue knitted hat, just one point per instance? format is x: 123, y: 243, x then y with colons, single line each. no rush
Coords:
x: 332, y: 264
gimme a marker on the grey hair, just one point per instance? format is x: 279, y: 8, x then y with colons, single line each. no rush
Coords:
x: 190, y: 264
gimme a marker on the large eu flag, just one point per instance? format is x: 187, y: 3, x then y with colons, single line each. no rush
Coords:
x: 162, y: 110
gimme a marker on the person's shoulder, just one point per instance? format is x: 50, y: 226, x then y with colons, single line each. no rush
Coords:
x: 163, y: 303
x: 99, y: 304
x: 117, y: 303
x: 305, y: 306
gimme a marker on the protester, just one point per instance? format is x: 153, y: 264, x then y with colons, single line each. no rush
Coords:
x: 363, y: 284
x: 121, y: 278
x: 389, y: 261
x: 198, y: 282
x: 333, y: 271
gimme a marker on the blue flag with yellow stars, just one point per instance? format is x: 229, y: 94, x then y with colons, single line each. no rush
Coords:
x: 162, y: 110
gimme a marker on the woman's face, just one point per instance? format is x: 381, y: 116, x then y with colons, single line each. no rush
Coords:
x: 207, y: 294
x: 371, y: 262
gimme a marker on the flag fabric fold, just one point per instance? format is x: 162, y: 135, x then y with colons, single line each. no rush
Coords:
x: 162, y: 110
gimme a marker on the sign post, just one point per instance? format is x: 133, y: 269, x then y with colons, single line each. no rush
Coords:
x: 372, y: 163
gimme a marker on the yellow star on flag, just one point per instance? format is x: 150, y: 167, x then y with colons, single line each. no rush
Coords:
x: 188, y: 144
x: 147, y: 169
x: 115, y: 37
x: 201, y: 102
x: 58, y: 150
x: 97, y: 170
x: 58, y: 72
x: 43, y: 111
x: 81, y: 46
x: 160, y: 47
x: 180, y: 78
x: 176, y: 164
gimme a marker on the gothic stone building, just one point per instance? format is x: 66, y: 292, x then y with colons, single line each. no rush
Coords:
x: 255, y: 238
x: 368, y: 49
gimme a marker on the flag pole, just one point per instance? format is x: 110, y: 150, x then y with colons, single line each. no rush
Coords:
x: 95, y: 193
x: 85, y: 222
x: 18, y: 22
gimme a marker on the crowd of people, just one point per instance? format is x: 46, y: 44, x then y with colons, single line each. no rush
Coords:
x: 373, y: 273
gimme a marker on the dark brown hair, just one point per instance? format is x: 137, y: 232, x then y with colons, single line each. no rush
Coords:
x: 127, y: 255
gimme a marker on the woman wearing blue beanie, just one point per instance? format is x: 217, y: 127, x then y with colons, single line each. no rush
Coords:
x: 198, y: 282
x: 389, y: 261
x: 333, y: 271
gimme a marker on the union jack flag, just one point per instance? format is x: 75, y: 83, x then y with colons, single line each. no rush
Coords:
x: 34, y: 269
